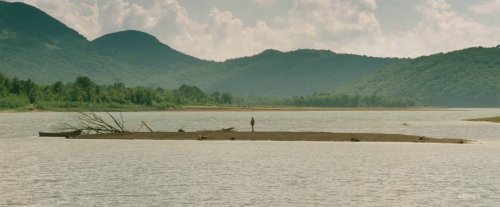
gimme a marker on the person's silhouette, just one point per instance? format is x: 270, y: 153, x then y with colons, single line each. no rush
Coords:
x: 252, y: 123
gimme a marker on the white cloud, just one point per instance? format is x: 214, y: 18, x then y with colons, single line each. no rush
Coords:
x: 492, y: 7
x: 440, y: 30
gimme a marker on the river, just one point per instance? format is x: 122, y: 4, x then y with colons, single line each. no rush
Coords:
x: 60, y: 172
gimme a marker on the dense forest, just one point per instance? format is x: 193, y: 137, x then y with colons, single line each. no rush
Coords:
x: 38, y: 47
x: 466, y: 78
x: 86, y: 94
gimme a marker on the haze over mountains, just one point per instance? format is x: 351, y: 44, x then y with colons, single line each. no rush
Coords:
x: 35, y: 46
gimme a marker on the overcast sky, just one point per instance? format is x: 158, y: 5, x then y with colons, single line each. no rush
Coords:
x: 223, y: 29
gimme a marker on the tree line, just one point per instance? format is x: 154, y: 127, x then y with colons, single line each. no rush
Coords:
x: 84, y: 93
x: 327, y: 100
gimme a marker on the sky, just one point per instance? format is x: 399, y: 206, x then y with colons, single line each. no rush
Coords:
x: 225, y: 29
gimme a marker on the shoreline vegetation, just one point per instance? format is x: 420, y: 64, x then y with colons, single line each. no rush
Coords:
x: 219, y: 109
x: 272, y: 136
x: 487, y: 119
x: 84, y: 94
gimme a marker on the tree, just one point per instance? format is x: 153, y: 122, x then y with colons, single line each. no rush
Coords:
x: 216, y: 97
x: 227, y: 98
x: 84, y: 82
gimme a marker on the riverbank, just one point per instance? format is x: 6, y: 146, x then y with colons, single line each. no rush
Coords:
x: 215, y: 108
x: 487, y: 119
x: 273, y: 136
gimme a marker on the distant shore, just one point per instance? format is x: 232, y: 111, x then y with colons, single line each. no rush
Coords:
x: 216, y: 108
x: 487, y: 119
x: 200, y: 108
x: 274, y: 136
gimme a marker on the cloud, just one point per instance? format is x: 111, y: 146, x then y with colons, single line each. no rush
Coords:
x: 264, y: 3
x: 334, y: 23
x: 492, y: 7
x: 440, y: 30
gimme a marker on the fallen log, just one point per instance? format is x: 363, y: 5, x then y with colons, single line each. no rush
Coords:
x: 203, y: 137
x: 230, y: 129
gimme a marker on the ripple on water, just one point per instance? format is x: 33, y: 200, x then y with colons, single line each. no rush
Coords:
x: 59, y: 172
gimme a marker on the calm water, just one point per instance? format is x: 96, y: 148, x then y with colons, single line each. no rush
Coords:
x: 59, y: 172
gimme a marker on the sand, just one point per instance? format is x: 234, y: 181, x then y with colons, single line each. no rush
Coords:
x: 272, y: 136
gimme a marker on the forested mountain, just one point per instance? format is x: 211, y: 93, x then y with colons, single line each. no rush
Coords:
x: 35, y: 46
x: 147, y: 50
x: 466, y: 78
x: 297, y: 73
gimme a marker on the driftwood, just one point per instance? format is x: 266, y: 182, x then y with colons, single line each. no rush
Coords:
x: 230, y: 129
x: 203, y: 137
x: 181, y: 129
x: 90, y: 122
x: 144, y: 123
x: 355, y: 140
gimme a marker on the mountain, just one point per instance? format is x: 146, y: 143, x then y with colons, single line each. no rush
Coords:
x: 35, y: 46
x: 147, y: 47
x: 29, y: 26
x: 465, y: 78
x: 298, y: 72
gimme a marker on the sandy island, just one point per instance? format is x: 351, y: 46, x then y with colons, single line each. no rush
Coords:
x: 273, y: 136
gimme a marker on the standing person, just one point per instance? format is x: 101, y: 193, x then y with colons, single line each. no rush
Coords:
x: 252, y: 123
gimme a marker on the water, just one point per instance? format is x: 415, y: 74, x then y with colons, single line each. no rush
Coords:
x: 60, y: 172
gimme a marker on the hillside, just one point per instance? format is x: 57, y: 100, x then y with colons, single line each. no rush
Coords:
x: 28, y: 26
x: 35, y: 46
x: 298, y: 72
x: 147, y: 49
x: 466, y: 78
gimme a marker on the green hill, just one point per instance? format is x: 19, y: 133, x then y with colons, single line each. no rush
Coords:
x: 466, y: 78
x: 35, y: 46
x: 298, y: 72
x: 29, y: 26
x: 147, y: 49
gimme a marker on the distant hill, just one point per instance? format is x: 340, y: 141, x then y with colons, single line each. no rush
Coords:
x: 465, y: 78
x: 35, y: 46
x: 147, y: 49
x: 28, y: 26
x: 298, y: 72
